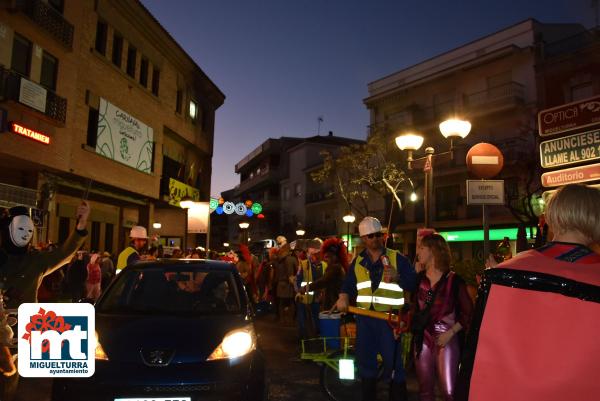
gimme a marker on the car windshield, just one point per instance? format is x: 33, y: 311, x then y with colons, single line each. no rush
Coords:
x: 170, y: 290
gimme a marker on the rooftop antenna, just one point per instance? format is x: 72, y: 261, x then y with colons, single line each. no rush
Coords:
x: 319, y: 121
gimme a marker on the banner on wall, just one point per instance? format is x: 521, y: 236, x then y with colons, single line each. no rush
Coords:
x: 123, y: 138
x: 177, y: 190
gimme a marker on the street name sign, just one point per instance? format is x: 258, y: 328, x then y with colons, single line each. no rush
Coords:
x: 485, y: 192
x: 570, y: 149
x: 570, y: 116
x: 590, y: 172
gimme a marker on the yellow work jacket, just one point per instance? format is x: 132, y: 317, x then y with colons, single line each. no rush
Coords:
x: 387, y: 295
x: 307, y: 278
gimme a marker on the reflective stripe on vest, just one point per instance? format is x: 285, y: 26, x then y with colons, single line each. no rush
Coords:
x: 386, y: 295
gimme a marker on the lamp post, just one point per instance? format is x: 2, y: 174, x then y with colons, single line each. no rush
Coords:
x: 410, y: 141
x: 244, y: 225
x: 348, y: 219
x: 186, y: 203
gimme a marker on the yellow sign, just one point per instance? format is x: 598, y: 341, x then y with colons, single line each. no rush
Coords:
x: 178, y: 190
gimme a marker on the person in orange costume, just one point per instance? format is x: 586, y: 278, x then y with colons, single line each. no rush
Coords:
x: 533, y: 334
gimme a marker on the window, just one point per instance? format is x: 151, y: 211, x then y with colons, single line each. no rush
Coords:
x: 117, y: 50
x: 49, y: 71
x: 447, y: 200
x: 92, y: 129
x: 144, y: 72
x: 155, y: 80
x: 131, y: 58
x: 179, y: 101
x: 101, y: 30
x: 58, y: 5
x: 297, y: 190
x: 193, y: 110
x: 286, y: 194
x: 498, y: 84
x: 63, y: 229
x: 95, y: 240
x: 583, y: 91
x: 108, y: 237
x: 21, y: 55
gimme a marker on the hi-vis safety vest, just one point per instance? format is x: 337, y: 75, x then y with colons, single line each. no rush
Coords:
x: 123, y: 256
x: 387, y: 295
x: 307, y: 277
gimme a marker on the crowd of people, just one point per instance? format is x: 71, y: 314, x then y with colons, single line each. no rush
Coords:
x: 307, y: 277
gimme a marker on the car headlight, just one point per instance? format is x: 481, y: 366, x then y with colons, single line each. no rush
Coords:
x: 100, y: 354
x: 236, y: 343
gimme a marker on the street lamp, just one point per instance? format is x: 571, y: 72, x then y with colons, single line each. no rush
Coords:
x: 186, y: 203
x: 450, y: 129
x: 244, y: 234
x: 348, y: 219
x: 300, y: 232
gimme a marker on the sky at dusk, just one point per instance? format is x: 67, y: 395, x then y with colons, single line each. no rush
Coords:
x: 283, y: 63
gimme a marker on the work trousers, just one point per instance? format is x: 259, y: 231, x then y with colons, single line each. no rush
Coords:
x: 375, y: 336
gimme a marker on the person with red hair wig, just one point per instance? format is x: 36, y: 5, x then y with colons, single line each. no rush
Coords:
x: 335, y: 254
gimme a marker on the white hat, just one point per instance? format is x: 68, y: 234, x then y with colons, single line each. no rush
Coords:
x: 138, y: 232
x: 369, y: 225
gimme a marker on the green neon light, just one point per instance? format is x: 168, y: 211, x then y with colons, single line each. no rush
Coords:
x: 496, y: 234
x: 348, y: 240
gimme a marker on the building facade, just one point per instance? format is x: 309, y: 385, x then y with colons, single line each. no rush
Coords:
x: 278, y: 175
x: 125, y: 118
x: 492, y: 83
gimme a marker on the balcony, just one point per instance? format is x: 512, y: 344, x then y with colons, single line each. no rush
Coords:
x: 499, y: 97
x: 10, y: 89
x: 48, y: 19
x: 318, y: 196
x: 258, y: 181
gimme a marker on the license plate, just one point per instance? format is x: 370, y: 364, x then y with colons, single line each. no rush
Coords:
x: 155, y: 399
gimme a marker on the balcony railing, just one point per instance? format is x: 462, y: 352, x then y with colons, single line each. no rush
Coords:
x: 10, y: 87
x: 318, y: 196
x: 507, y: 94
x: 49, y: 19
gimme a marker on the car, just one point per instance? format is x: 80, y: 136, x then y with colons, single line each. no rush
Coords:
x: 179, y: 330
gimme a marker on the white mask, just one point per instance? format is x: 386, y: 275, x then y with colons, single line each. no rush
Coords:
x: 21, y: 230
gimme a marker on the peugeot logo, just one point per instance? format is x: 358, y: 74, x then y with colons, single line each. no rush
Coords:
x: 157, y: 357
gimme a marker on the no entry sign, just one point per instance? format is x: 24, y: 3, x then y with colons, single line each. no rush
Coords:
x: 484, y: 160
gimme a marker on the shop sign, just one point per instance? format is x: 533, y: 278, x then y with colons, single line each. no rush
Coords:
x: 496, y: 234
x: 570, y: 149
x: 567, y: 117
x: 590, y: 172
x: 178, y: 190
x: 33, y: 95
x: 29, y: 133
x: 123, y: 138
x: 485, y: 192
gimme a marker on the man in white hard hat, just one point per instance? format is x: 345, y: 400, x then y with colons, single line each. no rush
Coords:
x: 377, y: 279
x: 131, y: 254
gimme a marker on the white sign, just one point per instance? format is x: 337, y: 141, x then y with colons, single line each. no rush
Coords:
x: 33, y: 95
x: 198, y: 216
x: 485, y: 192
x: 45, y: 329
x: 123, y: 138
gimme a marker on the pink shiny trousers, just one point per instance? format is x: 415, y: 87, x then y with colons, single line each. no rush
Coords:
x: 437, y: 362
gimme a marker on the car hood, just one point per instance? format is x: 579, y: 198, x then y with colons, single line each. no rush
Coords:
x: 182, y: 339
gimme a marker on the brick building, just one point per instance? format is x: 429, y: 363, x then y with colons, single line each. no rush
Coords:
x: 120, y: 107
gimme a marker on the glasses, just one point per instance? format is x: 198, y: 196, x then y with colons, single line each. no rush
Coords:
x: 377, y: 235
